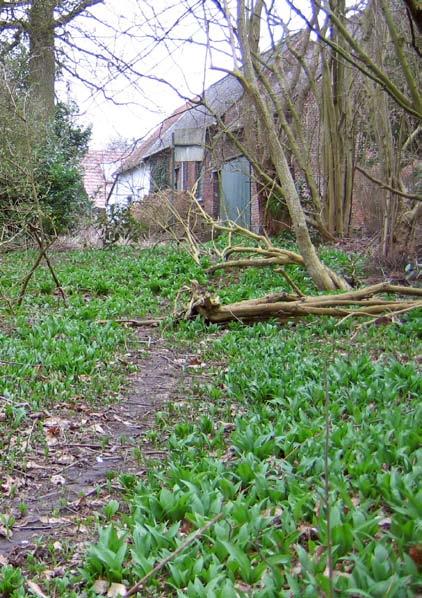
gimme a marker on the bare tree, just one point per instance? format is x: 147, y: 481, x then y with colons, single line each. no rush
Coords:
x: 38, y: 21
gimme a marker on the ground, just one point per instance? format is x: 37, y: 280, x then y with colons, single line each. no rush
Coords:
x: 118, y: 443
x: 61, y: 487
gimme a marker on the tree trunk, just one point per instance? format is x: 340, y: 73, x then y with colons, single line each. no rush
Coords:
x: 42, y: 64
x: 248, y: 31
x: 337, y: 136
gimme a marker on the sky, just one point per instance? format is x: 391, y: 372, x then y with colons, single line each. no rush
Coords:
x: 131, y: 104
x: 161, y: 40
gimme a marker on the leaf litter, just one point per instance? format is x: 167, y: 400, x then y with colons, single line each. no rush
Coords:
x: 73, y: 457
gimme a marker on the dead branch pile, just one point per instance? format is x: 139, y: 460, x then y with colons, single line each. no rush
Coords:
x: 284, y: 306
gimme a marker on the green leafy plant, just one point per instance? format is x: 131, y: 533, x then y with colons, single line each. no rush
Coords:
x: 107, y: 557
x: 11, y: 582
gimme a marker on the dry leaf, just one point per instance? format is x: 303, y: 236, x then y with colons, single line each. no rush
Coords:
x: 35, y: 589
x: 100, y: 586
x: 116, y: 589
x: 65, y: 459
x: 7, y: 485
x: 56, y: 422
x: 58, y: 480
x: 415, y: 552
x: 54, y: 520
x: 34, y: 465
x: 3, y: 561
x: 5, y: 532
x: 97, y: 428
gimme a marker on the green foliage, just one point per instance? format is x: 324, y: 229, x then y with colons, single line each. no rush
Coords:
x: 119, y: 224
x: 40, y: 172
x: 250, y: 445
x: 59, y: 175
x: 107, y: 557
x: 160, y: 172
x: 11, y: 582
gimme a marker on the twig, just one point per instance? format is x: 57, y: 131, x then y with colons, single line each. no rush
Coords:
x: 28, y: 440
x: 391, y: 315
x: 289, y: 281
x: 34, y: 365
x: 28, y: 277
x: 134, y: 589
x: 384, y: 185
x: 43, y: 250
x: 327, y: 489
x: 134, y: 323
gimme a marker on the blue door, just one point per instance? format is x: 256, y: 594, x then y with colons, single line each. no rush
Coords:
x: 235, y: 192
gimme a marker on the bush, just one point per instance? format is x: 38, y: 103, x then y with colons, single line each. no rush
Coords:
x: 166, y: 214
x: 40, y: 172
x: 120, y: 225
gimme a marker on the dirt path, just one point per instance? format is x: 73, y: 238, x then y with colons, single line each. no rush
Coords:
x: 55, y: 495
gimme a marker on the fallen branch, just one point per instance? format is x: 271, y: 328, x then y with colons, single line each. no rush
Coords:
x: 265, y: 246
x: 248, y: 263
x: 134, y: 323
x: 360, y: 303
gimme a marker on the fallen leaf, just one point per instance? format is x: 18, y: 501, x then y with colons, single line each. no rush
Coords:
x: 415, y: 553
x: 54, y: 520
x: 3, y: 561
x: 5, y: 532
x: 116, y: 589
x: 7, y: 485
x: 34, y: 465
x: 58, y: 480
x: 65, y: 459
x: 35, y: 589
x: 56, y: 422
x: 97, y: 428
x: 100, y: 586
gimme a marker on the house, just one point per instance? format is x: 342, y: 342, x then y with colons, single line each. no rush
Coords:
x: 196, y: 147
x: 132, y: 180
x: 181, y: 154
x: 99, y: 167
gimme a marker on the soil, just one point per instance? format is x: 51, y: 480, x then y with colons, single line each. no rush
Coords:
x: 62, y: 488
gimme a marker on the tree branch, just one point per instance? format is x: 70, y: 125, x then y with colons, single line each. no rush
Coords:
x: 76, y: 11
x: 384, y: 185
